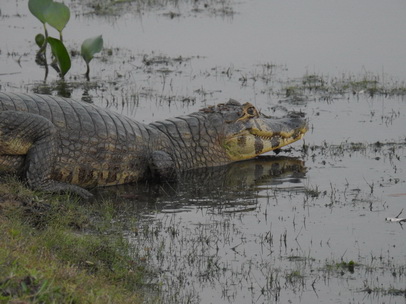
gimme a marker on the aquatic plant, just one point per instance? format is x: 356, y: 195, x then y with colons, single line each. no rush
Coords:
x: 62, y: 62
x: 57, y: 15
x: 90, y: 47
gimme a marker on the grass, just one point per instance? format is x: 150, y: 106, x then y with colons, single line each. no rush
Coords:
x: 391, y: 291
x: 115, y: 8
x: 53, y: 249
x: 313, y: 86
x: 345, y: 266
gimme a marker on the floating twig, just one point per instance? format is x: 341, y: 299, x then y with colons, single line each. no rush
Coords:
x: 396, y: 219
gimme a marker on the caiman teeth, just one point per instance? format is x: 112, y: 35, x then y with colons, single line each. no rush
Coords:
x: 283, y: 135
x: 263, y: 137
x: 271, y: 136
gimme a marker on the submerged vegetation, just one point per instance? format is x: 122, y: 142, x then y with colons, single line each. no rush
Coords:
x: 222, y: 8
x: 369, y: 84
x: 313, y: 86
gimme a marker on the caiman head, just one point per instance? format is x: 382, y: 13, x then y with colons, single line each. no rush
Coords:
x: 249, y: 133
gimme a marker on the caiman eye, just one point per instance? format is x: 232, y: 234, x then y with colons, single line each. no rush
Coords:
x: 251, y: 111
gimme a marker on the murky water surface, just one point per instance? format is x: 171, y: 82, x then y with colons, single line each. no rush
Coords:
x: 306, y: 227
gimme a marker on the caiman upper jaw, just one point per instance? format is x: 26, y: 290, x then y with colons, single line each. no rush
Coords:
x: 264, y: 136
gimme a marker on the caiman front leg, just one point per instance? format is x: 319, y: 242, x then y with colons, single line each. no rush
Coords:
x: 35, y: 137
x: 162, y: 166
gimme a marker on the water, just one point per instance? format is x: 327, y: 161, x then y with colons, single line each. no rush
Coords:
x: 273, y: 229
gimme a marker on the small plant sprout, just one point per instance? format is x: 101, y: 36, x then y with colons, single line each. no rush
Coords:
x: 40, y: 40
x: 90, y: 47
x: 57, y: 16
x: 37, y: 8
x: 61, y: 55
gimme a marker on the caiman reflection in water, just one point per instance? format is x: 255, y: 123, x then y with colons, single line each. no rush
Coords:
x: 235, y: 185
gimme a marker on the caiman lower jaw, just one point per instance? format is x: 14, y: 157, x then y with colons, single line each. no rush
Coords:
x: 250, y: 144
x: 285, y: 137
x: 293, y: 135
x: 278, y: 141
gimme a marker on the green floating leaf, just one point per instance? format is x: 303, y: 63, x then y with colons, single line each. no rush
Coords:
x: 90, y: 47
x: 61, y: 55
x: 57, y: 15
x: 40, y: 40
x: 38, y: 8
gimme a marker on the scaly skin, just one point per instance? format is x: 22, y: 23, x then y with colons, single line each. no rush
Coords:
x: 58, y: 144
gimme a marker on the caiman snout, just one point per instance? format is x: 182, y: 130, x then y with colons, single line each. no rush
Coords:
x: 263, y: 134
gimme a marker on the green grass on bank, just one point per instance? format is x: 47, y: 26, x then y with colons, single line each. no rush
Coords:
x: 54, y: 249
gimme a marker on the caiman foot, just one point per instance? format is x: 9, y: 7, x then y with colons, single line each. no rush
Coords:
x: 56, y: 187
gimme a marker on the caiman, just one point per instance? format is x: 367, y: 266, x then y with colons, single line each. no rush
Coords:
x: 61, y: 145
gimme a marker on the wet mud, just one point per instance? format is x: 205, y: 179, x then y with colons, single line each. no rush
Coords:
x: 305, y: 226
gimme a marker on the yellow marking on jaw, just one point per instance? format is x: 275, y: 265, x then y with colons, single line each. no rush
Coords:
x: 260, y: 133
x: 244, y: 145
x: 287, y: 134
